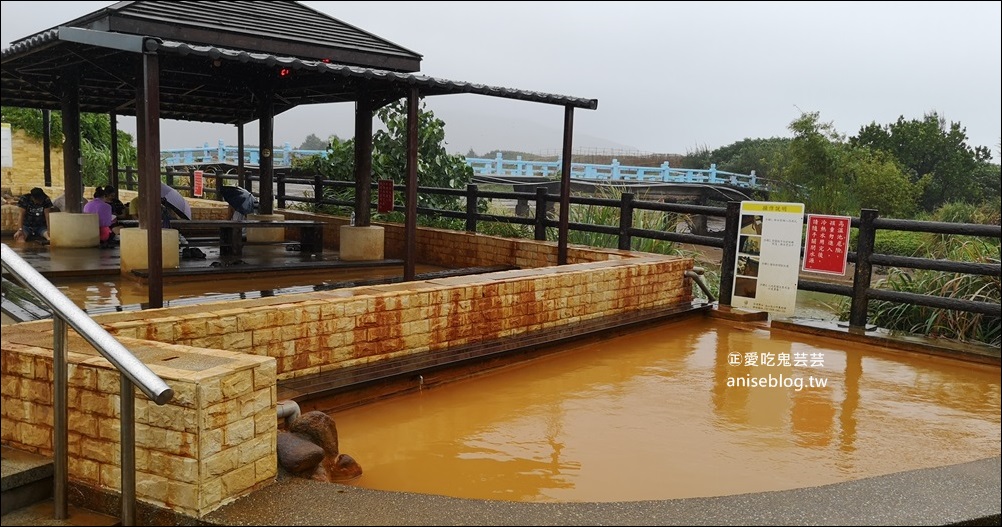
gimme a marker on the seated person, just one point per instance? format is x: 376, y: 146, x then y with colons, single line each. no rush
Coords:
x: 241, y: 202
x: 106, y: 220
x: 117, y: 207
x: 176, y: 199
x: 166, y: 214
x: 34, y: 216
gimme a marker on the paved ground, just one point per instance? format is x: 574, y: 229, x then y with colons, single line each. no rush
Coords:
x: 968, y: 492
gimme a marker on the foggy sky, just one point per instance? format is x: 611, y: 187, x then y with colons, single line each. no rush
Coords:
x: 670, y: 77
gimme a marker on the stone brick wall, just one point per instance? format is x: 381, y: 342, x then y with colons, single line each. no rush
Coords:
x: 213, y: 442
x: 29, y: 166
x: 455, y: 249
x: 314, y: 332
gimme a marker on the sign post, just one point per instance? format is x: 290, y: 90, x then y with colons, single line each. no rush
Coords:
x: 385, y: 196
x: 767, y: 264
x: 827, y: 246
x: 198, y: 183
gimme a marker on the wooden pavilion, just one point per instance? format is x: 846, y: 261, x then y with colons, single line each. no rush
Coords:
x: 232, y: 62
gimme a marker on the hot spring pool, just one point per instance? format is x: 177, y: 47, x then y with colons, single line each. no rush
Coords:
x: 662, y: 413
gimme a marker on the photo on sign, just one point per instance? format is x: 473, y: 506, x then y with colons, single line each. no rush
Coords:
x: 751, y: 224
x: 750, y: 244
x: 747, y: 266
x: 745, y: 287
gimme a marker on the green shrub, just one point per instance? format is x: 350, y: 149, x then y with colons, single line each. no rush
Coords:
x: 897, y: 243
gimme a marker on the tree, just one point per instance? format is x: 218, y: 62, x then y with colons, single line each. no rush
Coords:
x: 436, y: 167
x: 829, y: 175
x: 928, y: 147
x: 95, y: 139
x: 741, y: 157
x: 881, y: 183
x: 312, y: 142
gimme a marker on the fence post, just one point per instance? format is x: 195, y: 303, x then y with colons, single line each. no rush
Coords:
x: 541, y: 213
x: 221, y: 152
x: 280, y: 176
x: 318, y: 190
x: 170, y: 178
x: 732, y: 223
x: 219, y: 186
x: 861, y: 278
x: 128, y: 178
x: 625, y: 221
x: 471, y: 208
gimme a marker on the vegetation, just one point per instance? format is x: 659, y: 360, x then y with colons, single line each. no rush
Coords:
x: 312, y: 142
x: 938, y: 156
x: 436, y: 167
x: 957, y: 325
x: 830, y: 176
x: 741, y: 157
x: 95, y: 140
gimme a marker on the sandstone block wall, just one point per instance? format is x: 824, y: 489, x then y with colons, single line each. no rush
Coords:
x: 314, y: 332
x: 213, y: 442
x: 29, y: 167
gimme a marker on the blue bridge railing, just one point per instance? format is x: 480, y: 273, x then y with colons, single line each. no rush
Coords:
x: 615, y: 171
x: 494, y: 167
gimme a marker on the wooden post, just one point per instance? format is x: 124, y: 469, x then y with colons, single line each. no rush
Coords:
x: 410, y: 215
x: 148, y: 129
x: 565, y: 186
x: 266, y: 122
x: 864, y: 269
x: 363, y: 161
x: 72, y: 178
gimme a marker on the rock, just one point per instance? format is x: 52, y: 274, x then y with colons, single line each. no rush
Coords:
x: 319, y: 428
x: 343, y: 468
x: 297, y: 454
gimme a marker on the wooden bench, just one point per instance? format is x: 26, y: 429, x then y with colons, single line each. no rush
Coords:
x: 231, y: 242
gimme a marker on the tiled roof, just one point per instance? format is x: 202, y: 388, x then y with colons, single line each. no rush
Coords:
x: 280, y: 28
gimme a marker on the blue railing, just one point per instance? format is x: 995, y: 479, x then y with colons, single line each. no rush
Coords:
x: 228, y: 154
x: 495, y: 167
x: 518, y: 167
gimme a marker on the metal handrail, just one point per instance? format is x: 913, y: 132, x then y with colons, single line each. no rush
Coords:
x: 133, y: 373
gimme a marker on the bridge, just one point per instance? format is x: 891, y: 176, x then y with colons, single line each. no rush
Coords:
x: 660, y: 182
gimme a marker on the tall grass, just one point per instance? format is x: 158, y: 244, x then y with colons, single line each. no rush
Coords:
x: 944, y: 323
x: 609, y: 216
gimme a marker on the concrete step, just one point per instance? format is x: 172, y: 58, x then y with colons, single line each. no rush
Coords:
x: 26, y: 488
x: 25, y: 479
